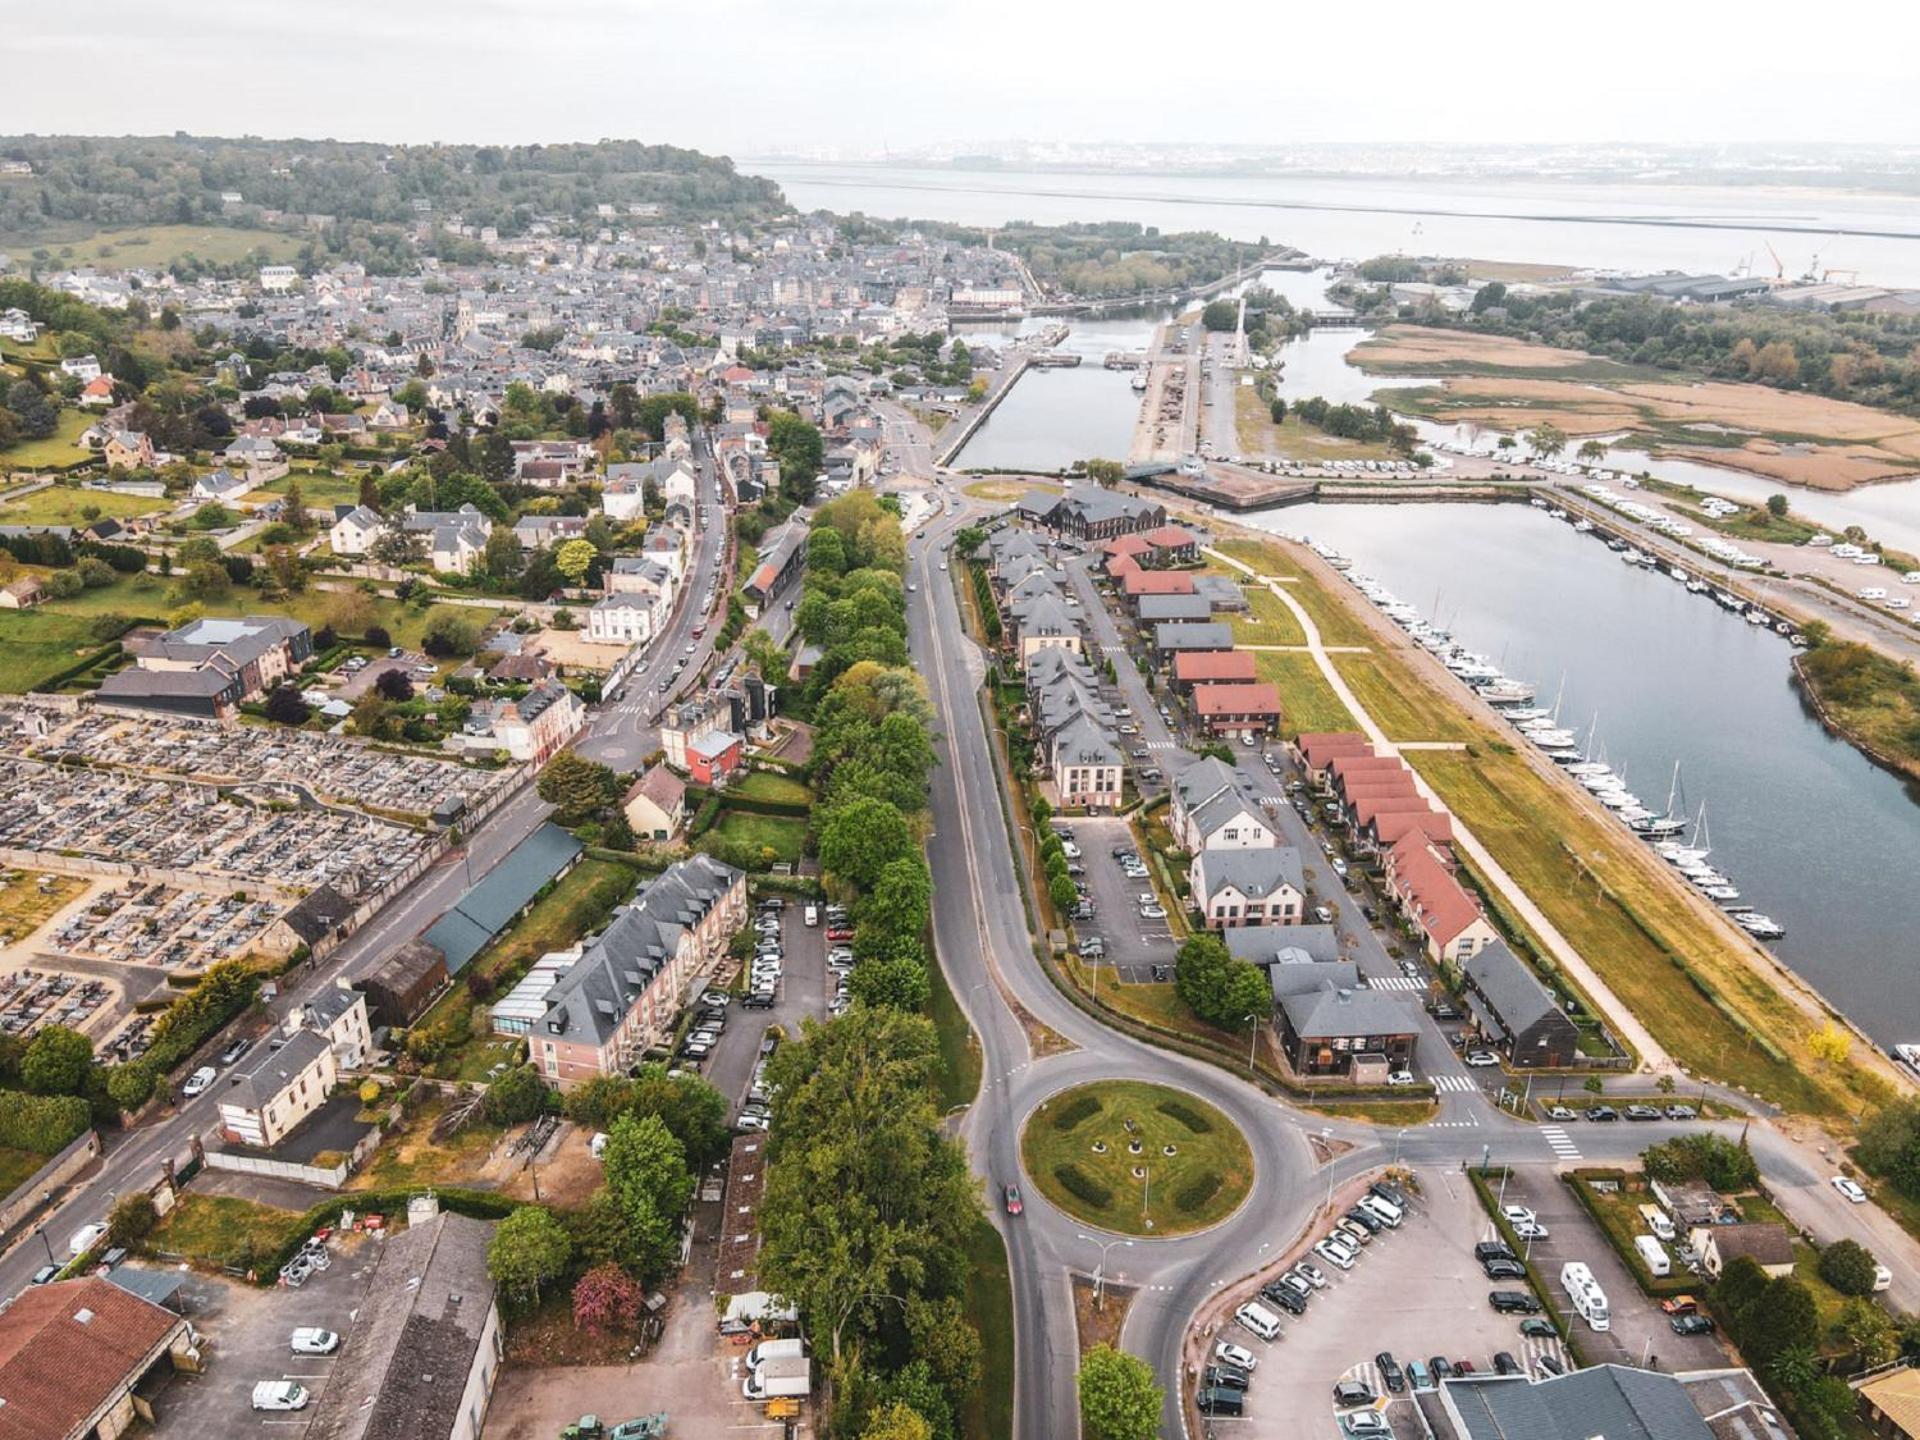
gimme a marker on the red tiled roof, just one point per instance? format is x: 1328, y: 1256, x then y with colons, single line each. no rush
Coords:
x: 1260, y: 698
x: 1321, y: 746
x: 1439, y: 903
x: 1132, y: 545
x: 1216, y: 665
x: 1169, y: 537
x: 1390, y: 827
x: 57, y: 1369
x: 1120, y: 565
x: 1385, y: 802
x: 1359, y: 763
x: 1157, y: 582
x: 1383, y: 787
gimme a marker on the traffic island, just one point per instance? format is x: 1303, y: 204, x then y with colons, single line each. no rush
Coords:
x: 1137, y: 1159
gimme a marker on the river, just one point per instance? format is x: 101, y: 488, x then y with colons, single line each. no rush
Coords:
x: 1811, y: 832
x: 1623, y: 226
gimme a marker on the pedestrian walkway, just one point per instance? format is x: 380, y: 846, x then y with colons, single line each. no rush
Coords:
x: 1454, y: 1084
x: 1560, y: 1142
x: 1396, y: 982
x: 1624, y: 1022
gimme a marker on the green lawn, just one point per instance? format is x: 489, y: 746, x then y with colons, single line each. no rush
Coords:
x: 223, y: 1230
x: 1200, y: 1184
x: 1401, y: 702
x: 319, y: 489
x: 37, y: 643
x: 774, y: 788
x: 1268, y: 621
x: 784, y: 835
x: 1307, y: 702
x: 68, y: 504
x: 959, y: 1079
x: 1337, y: 623
x: 58, y: 451
x: 160, y: 245
x: 988, y: 1415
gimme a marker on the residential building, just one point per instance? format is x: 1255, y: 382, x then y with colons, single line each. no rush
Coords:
x: 1247, y: 887
x: 781, y: 560
x: 1612, y: 1402
x: 656, y: 805
x: 1890, y: 1403
x: 1041, y: 623
x: 1213, y: 667
x: 1514, y: 1011
x: 427, y: 1344
x: 1419, y: 877
x: 1315, y: 751
x: 1246, y: 709
x: 22, y: 594
x: 72, y: 1354
x: 687, y: 722
x: 1087, y: 766
x: 1088, y: 512
x: 128, y: 449
x: 620, y: 620
x: 269, y: 1092
x: 1329, y: 1023
x: 539, y: 723
x: 455, y: 538
x: 1171, y: 639
x: 354, y: 529
x: 537, y: 532
x: 339, y: 1016
x: 1162, y: 609
x: 1767, y: 1243
x: 620, y: 999
x: 1266, y: 945
x: 210, y: 666
x: 715, y: 758
x: 1212, y: 808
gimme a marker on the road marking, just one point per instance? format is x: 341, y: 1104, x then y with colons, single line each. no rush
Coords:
x: 1395, y: 982
x: 1560, y: 1142
x: 1470, y: 1123
x: 1454, y: 1084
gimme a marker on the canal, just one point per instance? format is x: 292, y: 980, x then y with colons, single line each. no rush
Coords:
x: 1053, y: 418
x: 1811, y: 832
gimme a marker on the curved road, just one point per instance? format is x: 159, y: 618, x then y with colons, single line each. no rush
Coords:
x: 987, y: 953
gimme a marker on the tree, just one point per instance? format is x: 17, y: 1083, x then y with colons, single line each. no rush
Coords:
x: 901, y: 982
x: 56, y: 1062
x: 799, y: 451
x: 1219, y: 988
x: 397, y: 546
x: 1548, y: 440
x: 968, y: 539
x: 1777, y: 506
x: 285, y: 707
x: 1869, y: 1332
x: 293, y: 507
x: 132, y: 1218
x: 1829, y: 1044
x: 574, y: 558
x: 1848, y: 1266
x: 130, y: 1085
x: 949, y: 1343
x: 1592, y: 451
x: 448, y: 633
x: 1061, y: 890
x: 529, y: 1250
x: 394, y: 685
x: 606, y: 1299
x: 1784, y: 1319
x: 1118, y: 1399
x: 1105, y: 472
x: 897, y: 1421
x: 1221, y: 315
x: 901, y: 898
x: 516, y: 1097
x: 646, y: 1169
x: 577, y: 787
x: 860, y: 839
x: 207, y: 580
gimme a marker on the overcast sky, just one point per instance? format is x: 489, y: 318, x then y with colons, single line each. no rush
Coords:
x: 749, y: 77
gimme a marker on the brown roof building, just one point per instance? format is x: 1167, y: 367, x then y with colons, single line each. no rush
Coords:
x: 1218, y: 667
x: 71, y: 1354
x: 1242, y: 709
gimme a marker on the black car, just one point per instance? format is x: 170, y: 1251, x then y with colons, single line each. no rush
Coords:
x: 1551, y: 1364
x: 1392, y: 1194
x: 1351, y: 1394
x: 1391, y: 1374
x: 1440, y: 1367
x: 1503, y: 1269
x: 1642, y: 1112
x: 1493, y: 1250
x: 1603, y: 1112
x: 1373, y: 1223
x: 1694, y: 1324
x: 1226, y: 1377
x: 1537, y: 1328
x: 1219, y: 1400
x: 1505, y: 1364
x: 1287, y: 1299
x: 1513, y: 1302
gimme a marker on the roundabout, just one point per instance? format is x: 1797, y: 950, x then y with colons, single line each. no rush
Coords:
x: 1136, y: 1158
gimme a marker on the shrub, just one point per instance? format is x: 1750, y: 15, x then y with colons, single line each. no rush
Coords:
x: 1186, y: 1115
x: 44, y: 1124
x: 1848, y: 1266
x: 1078, y: 1183
x: 1197, y: 1191
x: 132, y: 1218
x: 1069, y: 1115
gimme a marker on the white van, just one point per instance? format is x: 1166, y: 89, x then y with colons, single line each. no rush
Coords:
x: 775, y: 1350
x: 1260, y: 1320
x: 1589, y: 1300
x: 1654, y: 1254
x: 1385, y: 1211
x: 279, y: 1395
x: 1655, y: 1219
x: 813, y: 915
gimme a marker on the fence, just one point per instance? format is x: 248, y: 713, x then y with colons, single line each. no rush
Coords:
x: 326, y: 1177
x: 26, y: 1198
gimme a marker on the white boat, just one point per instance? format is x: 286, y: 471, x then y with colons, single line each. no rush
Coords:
x: 1526, y: 714
x: 1697, y: 587
x: 1589, y: 768
x: 1506, y: 692
x: 1722, y: 893
x: 1676, y: 572
x: 1909, y: 1053
x: 1553, y: 739
x: 1761, y: 927
x: 1583, y: 527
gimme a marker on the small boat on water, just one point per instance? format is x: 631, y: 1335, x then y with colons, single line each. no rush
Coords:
x: 1761, y: 927
x: 1698, y: 587
x: 1583, y: 527
x: 1524, y: 714
x: 1757, y: 617
x: 1506, y: 692
x: 1722, y: 893
x: 1909, y: 1053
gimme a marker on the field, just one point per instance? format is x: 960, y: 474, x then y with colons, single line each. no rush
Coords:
x: 1292, y: 439
x: 160, y: 245
x: 1793, y: 436
x: 221, y: 1230
x: 1148, y: 1159
x: 772, y: 787
x: 1402, y: 703
x: 69, y: 504
x: 28, y: 899
x: 1331, y: 615
x: 1269, y: 621
x: 319, y: 489
x: 1307, y: 702
x: 58, y: 451
x: 37, y: 643
x: 784, y: 835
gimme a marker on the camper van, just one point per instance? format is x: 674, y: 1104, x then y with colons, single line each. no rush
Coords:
x: 1654, y: 1255
x: 1655, y: 1219
x: 1589, y: 1300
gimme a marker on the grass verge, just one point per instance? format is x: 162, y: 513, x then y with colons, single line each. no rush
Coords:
x: 960, y: 1063
x: 223, y: 1231
x: 1402, y: 703
x: 988, y: 1414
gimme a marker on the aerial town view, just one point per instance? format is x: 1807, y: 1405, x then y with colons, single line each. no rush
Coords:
x: 838, y: 721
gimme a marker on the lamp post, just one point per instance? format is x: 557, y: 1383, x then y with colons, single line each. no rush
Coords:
x: 1401, y: 1135
x: 1100, y: 1271
x: 1253, y: 1039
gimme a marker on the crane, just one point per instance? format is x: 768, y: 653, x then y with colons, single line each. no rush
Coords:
x: 1779, y: 265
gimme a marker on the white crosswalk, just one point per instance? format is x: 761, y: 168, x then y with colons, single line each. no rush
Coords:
x: 1395, y: 982
x: 1454, y: 1084
x: 1470, y: 1123
x: 1560, y: 1142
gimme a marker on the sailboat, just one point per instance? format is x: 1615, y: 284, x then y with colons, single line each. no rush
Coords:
x: 1670, y: 822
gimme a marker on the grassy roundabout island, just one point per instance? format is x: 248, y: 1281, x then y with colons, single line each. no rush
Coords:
x: 1136, y: 1158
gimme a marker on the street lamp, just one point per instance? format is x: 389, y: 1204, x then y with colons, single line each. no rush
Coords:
x: 1396, y: 1145
x: 1100, y: 1271
x: 1253, y: 1039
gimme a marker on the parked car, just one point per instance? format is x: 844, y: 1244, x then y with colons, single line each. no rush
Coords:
x: 1493, y: 1250
x: 1351, y: 1394
x: 1530, y: 1230
x: 1602, y: 1113
x: 1641, y: 1112
x: 1505, y: 1364
x: 1562, y: 1112
x: 1236, y: 1355
x: 1391, y: 1375
x: 1504, y: 1269
x: 1334, y: 1254
x: 85, y: 1238
x: 279, y: 1395
x: 1481, y: 1059
x: 198, y: 1082
x: 1536, y: 1327
x: 233, y: 1052
x: 1695, y: 1324
x: 1682, y: 1112
x: 1513, y: 1302
x: 1850, y: 1189
x: 1226, y: 1377
x: 1679, y: 1305
x: 312, y: 1340
x: 44, y: 1275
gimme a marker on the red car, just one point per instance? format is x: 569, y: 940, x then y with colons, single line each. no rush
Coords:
x: 839, y: 934
x: 1012, y: 1196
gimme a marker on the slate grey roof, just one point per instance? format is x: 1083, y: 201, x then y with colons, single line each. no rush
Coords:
x: 1174, y: 607
x: 1265, y: 945
x: 1331, y: 1007
x: 1186, y: 636
x: 1607, y: 1401
x: 1084, y: 743
x: 269, y: 1070
x: 1227, y: 806
x: 613, y: 972
x: 404, y: 1367
x: 1518, y: 997
x: 1220, y: 592
x: 1045, y: 615
x: 1199, y: 782
x: 1254, y: 873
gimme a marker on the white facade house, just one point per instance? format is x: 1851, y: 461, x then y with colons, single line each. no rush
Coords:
x: 621, y: 620
x: 272, y: 1090
x: 354, y: 532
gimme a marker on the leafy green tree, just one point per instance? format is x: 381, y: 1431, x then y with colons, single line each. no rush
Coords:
x: 1221, y: 315
x: 968, y: 539
x: 949, y: 1343
x: 398, y: 547
x: 1219, y: 988
x: 1848, y: 1266
x: 517, y: 1097
x: 530, y: 1249
x: 130, y: 1085
x: 1869, y: 1332
x: 1784, y: 1319
x: 902, y: 983
x: 132, y: 1219
x: 1061, y: 891
x: 901, y: 899
x: 1118, y: 1399
x: 1777, y: 506
x: 574, y: 558
x: 577, y: 788
x: 1548, y: 440
x: 646, y: 1169
x: 1105, y: 472
x: 799, y: 451
x: 860, y: 839
x: 897, y: 1421
x: 691, y: 1109
x: 56, y: 1062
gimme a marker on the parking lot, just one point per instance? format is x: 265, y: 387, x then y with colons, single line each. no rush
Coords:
x: 1134, y: 944
x: 802, y: 993
x: 247, y: 1330
x: 1415, y: 1292
x: 1639, y: 1333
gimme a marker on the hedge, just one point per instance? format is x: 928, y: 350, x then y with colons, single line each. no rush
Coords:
x: 43, y: 1124
x: 791, y: 809
x: 93, y: 658
x: 1081, y: 1107
x: 223, y: 992
x: 476, y: 1204
x: 1186, y: 1115
x: 1197, y: 1191
x: 1078, y: 1183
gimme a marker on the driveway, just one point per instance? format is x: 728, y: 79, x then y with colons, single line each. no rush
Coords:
x: 247, y: 1328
